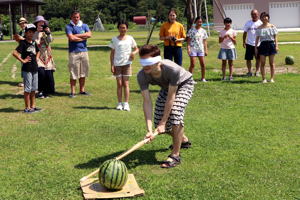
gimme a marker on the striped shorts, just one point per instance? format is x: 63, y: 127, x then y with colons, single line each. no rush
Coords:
x: 182, y: 97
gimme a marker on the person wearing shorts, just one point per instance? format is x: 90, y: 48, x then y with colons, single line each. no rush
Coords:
x: 266, y: 34
x: 123, y: 49
x: 78, y: 33
x: 27, y: 53
x: 197, y: 46
x: 177, y: 87
x: 227, y: 40
x: 249, y: 33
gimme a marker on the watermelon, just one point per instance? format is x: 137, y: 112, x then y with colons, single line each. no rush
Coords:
x: 289, y: 60
x: 113, y: 174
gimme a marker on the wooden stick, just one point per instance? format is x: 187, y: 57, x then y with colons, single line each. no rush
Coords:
x: 135, y: 147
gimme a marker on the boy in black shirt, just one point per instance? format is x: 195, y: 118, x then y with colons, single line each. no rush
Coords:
x: 27, y: 53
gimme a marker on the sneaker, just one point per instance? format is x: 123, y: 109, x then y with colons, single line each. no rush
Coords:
x: 40, y: 95
x: 28, y: 111
x: 264, y: 81
x: 119, y: 106
x: 223, y: 79
x: 249, y: 74
x: 36, y: 109
x: 230, y: 78
x: 203, y: 80
x: 256, y: 74
x: 85, y: 93
x: 194, y: 82
x: 126, y: 106
x: 272, y: 81
x: 72, y: 95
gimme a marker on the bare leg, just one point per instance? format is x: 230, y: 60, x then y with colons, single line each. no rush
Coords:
x: 192, y: 64
x: 72, y: 85
x: 272, y: 66
x: 119, y: 89
x: 82, y: 84
x: 249, y: 65
x: 27, y: 100
x: 223, y: 68
x: 262, y: 67
x: 230, y: 63
x: 202, y: 64
x: 32, y: 99
x: 125, y: 84
x: 257, y: 64
x: 177, y: 139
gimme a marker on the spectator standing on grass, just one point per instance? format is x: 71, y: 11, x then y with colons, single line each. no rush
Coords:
x: 21, y: 35
x: 227, y: 53
x: 197, y: 46
x: 266, y: 34
x: 177, y: 87
x: 249, y: 34
x: 46, y: 64
x: 78, y: 33
x: 123, y: 49
x: 173, y: 34
x: 27, y: 53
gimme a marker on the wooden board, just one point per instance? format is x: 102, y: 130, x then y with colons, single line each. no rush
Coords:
x: 92, y: 189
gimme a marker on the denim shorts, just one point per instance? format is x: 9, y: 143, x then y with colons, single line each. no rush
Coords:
x: 30, y: 80
x: 227, y: 54
x: 267, y: 48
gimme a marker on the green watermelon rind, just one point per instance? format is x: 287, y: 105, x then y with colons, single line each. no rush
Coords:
x: 113, y: 174
x: 289, y: 60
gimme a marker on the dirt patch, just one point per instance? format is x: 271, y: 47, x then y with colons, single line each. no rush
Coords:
x: 278, y: 70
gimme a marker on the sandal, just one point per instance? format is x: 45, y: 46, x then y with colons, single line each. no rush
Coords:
x: 169, y: 164
x: 184, y: 145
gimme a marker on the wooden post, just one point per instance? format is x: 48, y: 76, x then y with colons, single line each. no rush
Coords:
x: 10, y: 21
x: 206, y: 18
x: 21, y: 8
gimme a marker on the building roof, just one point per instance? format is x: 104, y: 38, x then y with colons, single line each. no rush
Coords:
x: 31, y: 2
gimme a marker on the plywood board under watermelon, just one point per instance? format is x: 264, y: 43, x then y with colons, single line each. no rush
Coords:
x: 93, y: 190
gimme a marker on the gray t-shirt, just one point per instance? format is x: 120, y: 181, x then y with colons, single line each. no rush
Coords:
x: 171, y: 74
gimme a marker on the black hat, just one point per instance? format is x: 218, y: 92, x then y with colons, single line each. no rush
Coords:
x: 30, y: 27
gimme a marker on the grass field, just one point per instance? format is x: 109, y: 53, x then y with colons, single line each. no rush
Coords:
x: 245, y: 135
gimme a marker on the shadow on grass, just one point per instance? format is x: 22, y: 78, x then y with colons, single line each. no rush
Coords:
x: 9, y: 110
x: 11, y: 96
x: 136, y: 158
x: 210, y: 79
x: 94, y: 108
x: 9, y: 83
x: 139, y: 91
x: 243, y: 82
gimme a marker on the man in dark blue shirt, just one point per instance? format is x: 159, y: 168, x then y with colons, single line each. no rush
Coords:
x: 78, y: 33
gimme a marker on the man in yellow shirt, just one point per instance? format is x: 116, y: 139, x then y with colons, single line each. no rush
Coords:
x: 173, y: 34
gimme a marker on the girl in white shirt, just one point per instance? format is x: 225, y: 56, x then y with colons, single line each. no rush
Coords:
x: 227, y: 40
x: 123, y: 48
x: 197, y: 46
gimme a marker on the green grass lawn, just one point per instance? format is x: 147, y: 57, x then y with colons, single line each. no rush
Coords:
x: 245, y: 135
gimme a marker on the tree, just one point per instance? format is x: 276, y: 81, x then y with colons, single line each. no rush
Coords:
x: 191, y: 12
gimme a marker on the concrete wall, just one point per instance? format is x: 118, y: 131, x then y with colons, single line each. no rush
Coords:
x: 260, y: 5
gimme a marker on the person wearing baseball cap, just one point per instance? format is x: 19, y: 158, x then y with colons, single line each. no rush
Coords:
x: 27, y: 53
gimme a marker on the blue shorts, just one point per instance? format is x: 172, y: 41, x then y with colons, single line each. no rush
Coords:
x: 30, y: 80
x: 267, y: 48
x: 196, y: 53
x: 227, y: 54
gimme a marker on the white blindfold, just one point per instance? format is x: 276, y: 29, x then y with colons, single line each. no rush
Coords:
x: 150, y: 61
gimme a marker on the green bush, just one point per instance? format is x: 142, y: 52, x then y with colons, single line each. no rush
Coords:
x: 58, y: 24
x: 109, y: 27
